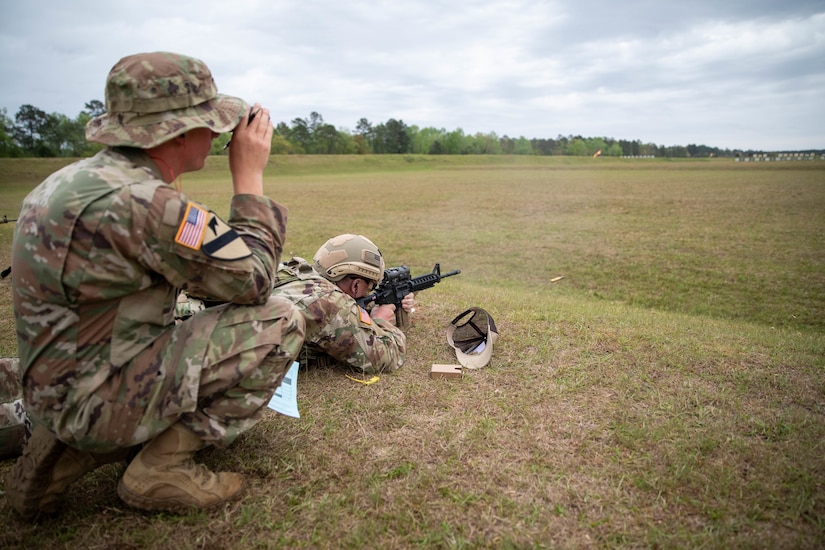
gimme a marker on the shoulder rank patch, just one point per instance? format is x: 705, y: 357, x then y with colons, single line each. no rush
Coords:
x: 192, y: 227
x: 222, y: 242
x: 365, y: 317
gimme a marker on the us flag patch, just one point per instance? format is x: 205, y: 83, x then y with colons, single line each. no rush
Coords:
x: 365, y: 317
x: 193, y: 226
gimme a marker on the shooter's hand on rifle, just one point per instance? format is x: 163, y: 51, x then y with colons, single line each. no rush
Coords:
x: 384, y: 311
x: 408, y: 303
x: 389, y: 312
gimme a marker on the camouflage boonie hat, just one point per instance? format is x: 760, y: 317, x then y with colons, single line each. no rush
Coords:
x: 154, y: 97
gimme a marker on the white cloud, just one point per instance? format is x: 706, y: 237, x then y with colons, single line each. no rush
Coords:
x: 740, y: 74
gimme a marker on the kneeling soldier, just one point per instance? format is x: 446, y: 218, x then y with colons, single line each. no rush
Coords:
x: 100, y: 251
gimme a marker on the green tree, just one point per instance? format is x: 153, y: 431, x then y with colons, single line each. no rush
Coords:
x: 316, y: 120
x: 56, y: 134
x: 78, y: 145
x: 614, y: 150
x: 391, y: 137
x: 422, y: 141
x: 594, y: 145
x: 677, y: 151
x: 546, y: 146
x: 300, y: 135
x: 577, y: 148
x: 487, y: 144
x: 281, y: 145
x: 8, y: 146
x: 563, y: 142
x: 366, y: 132
x: 508, y: 145
x: 412, y: 138
x: 29, y: 124
x: 453, y: 142
x: 361, y: 147
x: 523, y: 146
x: 346, y: 143
x: 94, y: 108
x: 324, y: 139
x: 328, y: 140
x: 436, y: 148
x: 650, y: 149
x: 66, y: 137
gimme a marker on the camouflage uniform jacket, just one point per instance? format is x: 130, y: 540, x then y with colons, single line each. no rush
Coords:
x: 335, y: 325
x: 100, y: 251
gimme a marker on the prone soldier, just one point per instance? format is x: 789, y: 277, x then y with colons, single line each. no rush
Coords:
x: 339, y: 330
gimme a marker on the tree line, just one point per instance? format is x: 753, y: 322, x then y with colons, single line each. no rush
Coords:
x: 34, y: 133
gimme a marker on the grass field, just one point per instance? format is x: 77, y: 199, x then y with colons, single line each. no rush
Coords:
x: 668, y: 392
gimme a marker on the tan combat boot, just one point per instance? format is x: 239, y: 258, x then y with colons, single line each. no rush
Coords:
x: 163, y: 476
x: 44, y: 471
x: 30, y: 476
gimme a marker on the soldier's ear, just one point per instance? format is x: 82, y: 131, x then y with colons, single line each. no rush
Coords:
x: 352, y: 286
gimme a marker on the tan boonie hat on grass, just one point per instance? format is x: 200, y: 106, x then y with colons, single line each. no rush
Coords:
x: 472, y: 335
x: 154, y: 97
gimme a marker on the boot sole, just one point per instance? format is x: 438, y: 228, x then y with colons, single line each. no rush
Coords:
x: 31, y: 474
x: 172, y: 505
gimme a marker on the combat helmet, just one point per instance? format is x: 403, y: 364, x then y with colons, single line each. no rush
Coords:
x: 349, y: 254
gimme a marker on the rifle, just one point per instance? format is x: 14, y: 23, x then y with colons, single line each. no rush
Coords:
x: 397, y: 283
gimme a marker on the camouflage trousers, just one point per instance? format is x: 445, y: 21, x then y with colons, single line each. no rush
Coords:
x: 221, y: 367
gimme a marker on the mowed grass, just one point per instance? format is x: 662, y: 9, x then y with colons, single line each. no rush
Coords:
x: 669, y: 391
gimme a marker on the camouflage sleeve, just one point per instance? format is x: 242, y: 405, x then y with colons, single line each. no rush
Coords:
x: 194, y: 249
x: 352, y: 337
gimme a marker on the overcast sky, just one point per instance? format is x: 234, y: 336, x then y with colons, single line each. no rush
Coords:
x: 737, y: 74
